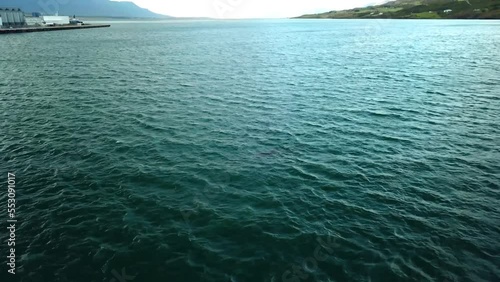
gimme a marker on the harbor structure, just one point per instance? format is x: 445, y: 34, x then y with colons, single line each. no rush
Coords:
x: 15, y: 21
x: 50, y: 28
x: 15, y: 18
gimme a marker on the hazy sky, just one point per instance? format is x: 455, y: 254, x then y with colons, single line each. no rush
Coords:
x: 248, y: 8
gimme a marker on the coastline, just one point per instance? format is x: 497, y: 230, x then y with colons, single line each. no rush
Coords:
x: 424, y: 19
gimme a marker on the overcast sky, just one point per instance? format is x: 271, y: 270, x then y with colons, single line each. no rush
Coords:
x: 248, y: 8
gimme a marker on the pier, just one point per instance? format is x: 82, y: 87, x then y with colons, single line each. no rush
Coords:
x: 50, y: 28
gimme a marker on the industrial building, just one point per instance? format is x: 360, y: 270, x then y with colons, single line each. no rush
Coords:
x: 14, y: 17
x: 34, y: 19
x: 56, y: 20
x: 11, y: 18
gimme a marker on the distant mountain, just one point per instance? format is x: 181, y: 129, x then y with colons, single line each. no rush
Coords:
x: 91, y: 8
x: 420, y: 9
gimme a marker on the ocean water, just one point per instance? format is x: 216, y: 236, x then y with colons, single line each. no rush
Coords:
x: 273, y: 150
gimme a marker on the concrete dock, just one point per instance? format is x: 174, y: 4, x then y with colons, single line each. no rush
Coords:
x: 50, y: 28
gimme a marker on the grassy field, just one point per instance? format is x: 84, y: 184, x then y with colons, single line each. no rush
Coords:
x: 421, y: 9
x: 427, y: 15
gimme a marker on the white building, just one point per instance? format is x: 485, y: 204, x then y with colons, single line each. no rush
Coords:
x: 34, y: 21
x: 56, y: 20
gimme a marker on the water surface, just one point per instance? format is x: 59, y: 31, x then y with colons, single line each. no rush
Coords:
x: 283, y: 150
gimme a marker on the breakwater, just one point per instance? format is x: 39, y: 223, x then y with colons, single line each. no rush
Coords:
x: 50, y: 28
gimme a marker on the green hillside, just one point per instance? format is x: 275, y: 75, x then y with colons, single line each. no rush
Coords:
x: 420, y: 9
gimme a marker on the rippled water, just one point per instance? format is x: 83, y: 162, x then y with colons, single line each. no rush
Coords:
x: 254, y: 151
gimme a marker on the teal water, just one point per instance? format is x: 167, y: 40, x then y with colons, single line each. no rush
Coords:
x: 282, y: 150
